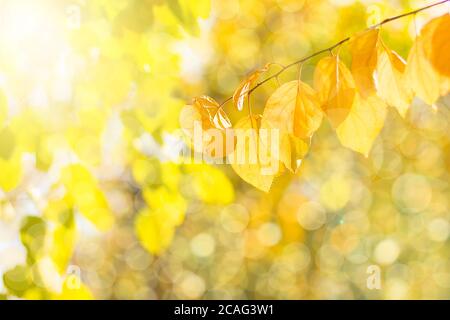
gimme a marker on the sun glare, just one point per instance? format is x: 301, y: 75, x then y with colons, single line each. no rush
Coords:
x: 32, y: 46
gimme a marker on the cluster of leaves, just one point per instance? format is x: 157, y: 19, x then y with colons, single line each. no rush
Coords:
x: 354, y: 99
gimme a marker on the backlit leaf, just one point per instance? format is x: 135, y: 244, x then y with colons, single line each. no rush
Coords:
x: 423, y: 79
x: 254, y: 158
x: 364, y: 51
x: 242, y: 91
x: 440, y: 48
x: 307, y: 114
x: 391, y: 83
x: 294, y: 110
x: 208, y: 127
x: 363, y: 124
x: 336, y: 88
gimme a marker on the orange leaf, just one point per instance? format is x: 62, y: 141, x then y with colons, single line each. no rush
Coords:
x: 364, y: 51
x: 254, y: 159
x: 440, y: 49
x: 244, y: 87
x: 423, y: 78
x: 307, y: 114
x: 336, y: 88
x: 208, y: 118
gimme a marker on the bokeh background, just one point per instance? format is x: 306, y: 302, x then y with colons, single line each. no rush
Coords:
x: 92, y: 205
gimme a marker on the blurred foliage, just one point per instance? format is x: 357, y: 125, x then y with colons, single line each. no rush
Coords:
x: 91, y: 205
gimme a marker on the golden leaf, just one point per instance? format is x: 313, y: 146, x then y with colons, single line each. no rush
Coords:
x: 363, y: 124
x: 212, y: 114
x: 364, y: 49
x: 254, y: 158
x: 391, y: 84
x: 440, y: 52
x: 293, y: 109
x: 336, y: 88
x: 243, y: 89
x: 307, y: 114
x: 423, y: 79
x: 295, y: 149
x: 216, y: 138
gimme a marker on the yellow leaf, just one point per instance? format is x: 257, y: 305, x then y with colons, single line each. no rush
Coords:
x: 423, y: 79
x: 254, y: 159
x: 243, y: 89
x: 297, y: 147
x: 336, y: 88
x: 212, y: 114
x: 294, y: 110
x: 363, y: 124
x: 375, y: 67
x: 364, y: 51
x: 307, y: 114
x: 391, y: 84
x: 207, y: 118
x: 440, y: 49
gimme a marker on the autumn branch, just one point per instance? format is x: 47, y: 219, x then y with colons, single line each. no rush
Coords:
x: 329, y: 49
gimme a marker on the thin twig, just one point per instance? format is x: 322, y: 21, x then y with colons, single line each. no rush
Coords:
x: 330, y: 49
